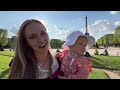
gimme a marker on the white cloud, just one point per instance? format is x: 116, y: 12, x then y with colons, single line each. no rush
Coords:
x: 12, y: 31
x: 99, y: 28
x: 10, y: 34
x: 113, y: 12
x: 44, y: 22
x: 61, y: 32
x: 117, y: 23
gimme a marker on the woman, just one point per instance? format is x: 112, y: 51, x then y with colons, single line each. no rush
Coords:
x: 34, y: 58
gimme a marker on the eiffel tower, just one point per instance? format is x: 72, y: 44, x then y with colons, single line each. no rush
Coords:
x: 86, y: 31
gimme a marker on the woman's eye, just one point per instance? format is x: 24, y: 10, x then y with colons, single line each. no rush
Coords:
x: 79, y: 44
x: 32, y: 37
x: 43, y: 33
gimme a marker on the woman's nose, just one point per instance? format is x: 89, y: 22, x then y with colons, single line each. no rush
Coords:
x: 41, y: 39
x: 83, y: 47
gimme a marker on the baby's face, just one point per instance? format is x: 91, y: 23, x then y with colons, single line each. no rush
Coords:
x: 79, y: 46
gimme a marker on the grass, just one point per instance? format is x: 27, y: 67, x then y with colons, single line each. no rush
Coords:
x: 11, y: 53
x: 97, y: 74
x: 4, y: 63
x: 4, y: 69
x: 4, y: 66
x: 109, y: 62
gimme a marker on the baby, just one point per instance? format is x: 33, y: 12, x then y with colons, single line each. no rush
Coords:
x: 74, y: 64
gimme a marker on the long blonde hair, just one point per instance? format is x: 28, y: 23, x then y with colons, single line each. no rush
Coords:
x: 24, y: 65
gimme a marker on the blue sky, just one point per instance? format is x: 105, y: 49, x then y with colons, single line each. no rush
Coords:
x: 60, y: 23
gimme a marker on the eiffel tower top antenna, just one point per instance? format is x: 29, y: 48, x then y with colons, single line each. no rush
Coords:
x: 86, y: 31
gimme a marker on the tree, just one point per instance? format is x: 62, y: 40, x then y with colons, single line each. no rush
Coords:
x: 56, y: 43
x: 107, y: 39
x: 100, y: 41
x: 117, y: 30
x: 8, y: 44
x: 13, y: 41
x: 117, y: 36
x: 110, y: 39
x: 3, y: 37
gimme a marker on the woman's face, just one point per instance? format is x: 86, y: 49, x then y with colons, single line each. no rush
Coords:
x: 37, y: 37
x: 80, y: 46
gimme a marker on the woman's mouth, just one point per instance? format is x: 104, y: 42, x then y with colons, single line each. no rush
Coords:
x: 42, y: 45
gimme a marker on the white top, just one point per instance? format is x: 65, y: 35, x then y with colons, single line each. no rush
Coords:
x: 45, y: 73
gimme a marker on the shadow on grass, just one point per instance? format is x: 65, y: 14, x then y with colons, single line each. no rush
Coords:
x: 100, y: 65
x: 96, y: 58
x: 97, y: 65
x: 4, y: 73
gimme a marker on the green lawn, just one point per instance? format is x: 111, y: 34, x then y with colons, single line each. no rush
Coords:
x: 98, y: 74
x: 111, y: 62
x: 11, y: 53
x: 4, y: 66
x: 4, y: 63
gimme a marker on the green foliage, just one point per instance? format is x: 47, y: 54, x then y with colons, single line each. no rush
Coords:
x: 117, y: 30
x: 110, y: 39
x: 11, y: 42
x: 56, y: 43
x: 99, y: 41
x: 117, y: 36
x: 3, y: 37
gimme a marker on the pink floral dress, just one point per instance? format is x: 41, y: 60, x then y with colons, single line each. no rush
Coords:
x: 75, y: 68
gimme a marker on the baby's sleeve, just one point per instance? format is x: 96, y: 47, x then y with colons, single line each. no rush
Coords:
x: 62, y: 54
x: 90, y: 65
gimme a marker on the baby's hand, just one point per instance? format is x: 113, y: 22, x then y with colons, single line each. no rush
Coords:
x: 62, y: 77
